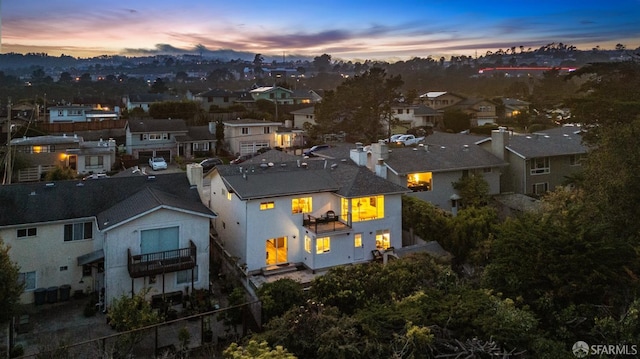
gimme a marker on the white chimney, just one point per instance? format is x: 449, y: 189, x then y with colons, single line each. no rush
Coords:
x: 381, y: 168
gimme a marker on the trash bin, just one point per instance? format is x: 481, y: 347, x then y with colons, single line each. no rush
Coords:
x: 52, y: 294
x: 40, y: 296
x: 65, y: 292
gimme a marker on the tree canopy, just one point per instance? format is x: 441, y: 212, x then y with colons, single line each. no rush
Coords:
x: 11, y: 286
x: 360, y: 106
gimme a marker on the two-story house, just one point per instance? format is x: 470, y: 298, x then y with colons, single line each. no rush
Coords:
x: 302, y: 116
x: 482, y: 111
x: 538, y: 162
x: 314, y: 213
x: 277, y: 94
x: 43, y: 153
x: 410, y: 116
x: 247, y: 136
x: 430, y: 169
x: 78, y: 113
x: 146, y: 138
x: 118, y: 234
x: 142, y: 100
x: 439, y: 99
x: 217, y: 97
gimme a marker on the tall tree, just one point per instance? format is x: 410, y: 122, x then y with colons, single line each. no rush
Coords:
x: 11, y: 285
x: 360, y: 106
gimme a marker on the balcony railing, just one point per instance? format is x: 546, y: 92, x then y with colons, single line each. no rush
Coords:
x: 329, y: 222
x: 144, y: 265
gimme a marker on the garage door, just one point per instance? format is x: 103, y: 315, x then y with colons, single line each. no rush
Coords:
x: 164, y: 154
x: 143, y: 156
x: 247, y: 148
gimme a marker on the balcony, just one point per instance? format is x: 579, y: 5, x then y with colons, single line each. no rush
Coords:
x: 329, y: 222
x: 144, y: 265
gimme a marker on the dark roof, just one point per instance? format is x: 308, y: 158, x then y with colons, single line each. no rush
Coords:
x: 254, y: 181
x: 26, y: 203
x: 149, y: 125
x: 546, y: 145
x: 197, y: 133
x: 146, y: 97
x: 217, y: 92
x: 425, y: 110
x: 452, y: 139
x: 438, y: 158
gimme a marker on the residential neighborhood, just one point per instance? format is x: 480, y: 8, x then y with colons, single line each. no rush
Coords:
x: 302, y: 185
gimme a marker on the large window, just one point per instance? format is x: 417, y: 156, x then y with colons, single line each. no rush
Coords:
x: 419, y: 182
x: 158, y: 136
x: 367, y: 208
x: 78, y: 231
x: 383, y: 239
x: 575, y: 160
x: 184, y: 276
x: 28, y: 279
x: 159, y: 240
x: 323, y: 245
x: 540, y: 166
x: 301, y: 205
x: 27, y: 232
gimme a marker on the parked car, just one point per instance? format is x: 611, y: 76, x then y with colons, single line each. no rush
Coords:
x: 310, y: 152
x: 157, y: 163
x: 393, y: 138
x: 210, y: 163
x: 408, y: 140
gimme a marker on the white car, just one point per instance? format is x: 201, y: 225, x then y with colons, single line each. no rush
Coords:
x: 157, y: 163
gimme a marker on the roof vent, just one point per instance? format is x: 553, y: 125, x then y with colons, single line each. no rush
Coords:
x: 270, y: 164
x: 151, y: 178
x: 415, y: 148
x: 334, y: 166
x: 33, y: 193
x: 50, y: 184
x: 283, y: 165
x: 304, y: 165
x: 465, y: 147
x: 79, y: 184
x: 264, y: 165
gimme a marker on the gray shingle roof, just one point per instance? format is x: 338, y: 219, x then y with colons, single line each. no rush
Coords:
x: 546, y: 145
x: 440, y: 159
x: 26, y: 203
x: 252, y: 181
x: 149, y: 125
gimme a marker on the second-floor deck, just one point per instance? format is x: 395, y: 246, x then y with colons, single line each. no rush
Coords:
x: 143, y: 265
x: 329, y: 222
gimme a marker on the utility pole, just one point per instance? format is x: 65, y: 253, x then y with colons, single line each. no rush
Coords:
x: 7, y: 163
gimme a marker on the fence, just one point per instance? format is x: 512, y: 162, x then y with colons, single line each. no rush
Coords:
x: 198, y: 335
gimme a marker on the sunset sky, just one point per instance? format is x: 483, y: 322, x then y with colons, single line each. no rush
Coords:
x: 349, y: 30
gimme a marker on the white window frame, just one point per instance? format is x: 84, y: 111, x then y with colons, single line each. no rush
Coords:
x: 540, y: 168
x: 540, y: 188
x: 30, y: 280
x: 75, y: 228
x: 323, y: 245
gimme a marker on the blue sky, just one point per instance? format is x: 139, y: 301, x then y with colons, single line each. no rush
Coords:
x: 349, y: 30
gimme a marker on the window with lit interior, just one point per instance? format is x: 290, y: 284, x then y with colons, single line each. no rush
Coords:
x: 419, y: 182
x: 301, y: 205
x: 323, y: 245
x: 367, y: 208
x: 383, y: 239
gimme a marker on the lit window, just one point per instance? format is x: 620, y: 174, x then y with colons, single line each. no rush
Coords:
x: 266, y: 205
x: 184, y: 276
x: 367, y: 208
x: 419, y: 182
x: 27, y: 232
x: 323, y: 245
x: 357, y: 240
x: 383, y: 239
x: 28, y: 279
x: 78, y: 231
x: 301, y: 205
x: 307, y: 244
x: 540, y: 166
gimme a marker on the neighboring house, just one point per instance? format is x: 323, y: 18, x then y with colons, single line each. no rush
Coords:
x: 117, y: 234
x: 482, y: 111
x: 200, y: 141
x: 219, y: 97
x: 319, y: 214
x: 410, y: 116
x: 289, y: 137
x: 303, y: 115
x: 143, y: 100
x: 430, y: 170
x: 513, y: 107
x: 538, y: 162
x: 438, y: 100
x: 43, y: 153
x: 247, y: 136
x: 77, y: 113
x: 146, y: 138
x: 277, y: 94
x: 305, y: 97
